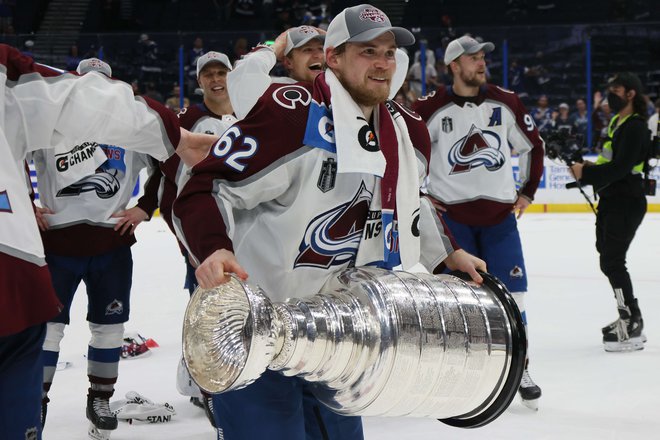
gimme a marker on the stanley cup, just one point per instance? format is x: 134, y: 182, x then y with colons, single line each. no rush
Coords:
x: 373, y: 342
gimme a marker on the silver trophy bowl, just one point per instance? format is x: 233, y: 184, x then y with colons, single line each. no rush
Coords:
x: 373, y: 342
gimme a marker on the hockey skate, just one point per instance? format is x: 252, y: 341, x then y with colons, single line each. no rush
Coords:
x: 529, y: 391
x: 611, y: 327
x: 624, y: 335
x: 102, y: 421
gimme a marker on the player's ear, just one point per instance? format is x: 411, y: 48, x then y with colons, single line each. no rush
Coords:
x: 331, y: 57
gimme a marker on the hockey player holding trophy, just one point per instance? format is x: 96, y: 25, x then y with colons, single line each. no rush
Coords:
x: 339, y: 187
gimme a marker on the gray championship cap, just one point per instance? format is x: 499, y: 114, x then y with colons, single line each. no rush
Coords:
x: 212, y: 57
x: 299, y: 36
x: 362, y: 23
x: 465, y: 45
x: 94, y: 65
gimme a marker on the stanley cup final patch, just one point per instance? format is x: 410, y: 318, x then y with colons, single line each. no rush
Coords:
x: 447, y: 124
x: 328, y: 175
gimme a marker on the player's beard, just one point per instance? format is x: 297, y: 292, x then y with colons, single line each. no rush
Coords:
x: 365, y: 96
x: 473, y: 81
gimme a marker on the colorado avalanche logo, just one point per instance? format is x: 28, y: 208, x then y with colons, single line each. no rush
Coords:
x: 478, y: 148
x: 290, y: 96
x: 106, y: 184
x: 332, y: 238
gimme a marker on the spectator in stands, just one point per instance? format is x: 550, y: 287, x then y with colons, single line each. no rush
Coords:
x: 561, y: 119
x: 241, y: 47
x: 415, y: 78
x: 7, y: 16
x: 284, y: 18
x: 443, y: 77
x: 580, y: 119
x: 72, y: 60
x: 430, y: 54
x: 27, y: 48
x: 174, y: 100
x: 538, y: 75
x: 517, y: 79
x: 135, y: 85
x: 542, y: 114
x: 147, y: 56
x: 152, y: 92
x: 600, y: 120
x: 194, y: 53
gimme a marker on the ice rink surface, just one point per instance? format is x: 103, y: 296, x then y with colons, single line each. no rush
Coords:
x: 587, y: 393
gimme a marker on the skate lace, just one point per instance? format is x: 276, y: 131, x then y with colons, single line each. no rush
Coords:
x: 622, y: 329
x: 102, y: 407
x: 526, y: 381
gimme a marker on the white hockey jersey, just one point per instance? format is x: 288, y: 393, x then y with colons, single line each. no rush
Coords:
x: 472, y: 139
x: 94, y: 198
x: 59, y: 111
x: 282, y: 206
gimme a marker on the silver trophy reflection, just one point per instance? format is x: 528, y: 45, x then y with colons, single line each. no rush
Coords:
x: 374, y: 343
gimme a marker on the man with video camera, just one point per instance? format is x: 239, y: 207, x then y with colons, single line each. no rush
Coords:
x: 617, y: 178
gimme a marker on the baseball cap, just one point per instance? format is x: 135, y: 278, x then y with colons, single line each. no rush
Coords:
x: 628, y: 80
x: 212, y: 57
x: 563, y: 105
x: 299, y: 36
x: 363, y: 23
x: 465, y: 45
x: 94, y: 65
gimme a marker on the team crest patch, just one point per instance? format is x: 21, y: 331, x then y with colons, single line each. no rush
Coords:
x: 328, y: 175
x: 116, y: 307
x: 447, y: 124
x: 516, y: 272
x: 372, y: 14
x: 290, y: 96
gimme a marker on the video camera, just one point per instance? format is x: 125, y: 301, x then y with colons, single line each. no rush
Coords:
x: 561, y: 144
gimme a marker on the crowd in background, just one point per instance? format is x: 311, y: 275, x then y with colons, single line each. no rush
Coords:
x: 152, y: 65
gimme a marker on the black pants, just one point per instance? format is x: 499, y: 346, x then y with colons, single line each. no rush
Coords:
x: 616, y: 223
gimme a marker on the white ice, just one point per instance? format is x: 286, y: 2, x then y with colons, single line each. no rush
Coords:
x: 587, y: 393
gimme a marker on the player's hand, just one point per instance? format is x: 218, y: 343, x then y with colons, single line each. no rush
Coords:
x: 129, y: 219
x: 39, y: 213
x: 521, y: 204
x: 194, y: 147
x: 468, y: 263
x: 216, y: 268
x: 279, y: 46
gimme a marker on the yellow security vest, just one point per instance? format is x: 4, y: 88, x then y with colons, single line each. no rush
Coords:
x: 606, y: 155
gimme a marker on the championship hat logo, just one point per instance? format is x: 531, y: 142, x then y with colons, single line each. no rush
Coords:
x: 373, y: 14
x: 306, y: 30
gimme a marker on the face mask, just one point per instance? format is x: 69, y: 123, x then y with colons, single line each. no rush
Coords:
x: 616, y: 102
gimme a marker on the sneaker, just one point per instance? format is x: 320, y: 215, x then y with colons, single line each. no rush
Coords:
x: 98, y: 412
x: 529, y: 391
x: 625, y: 335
